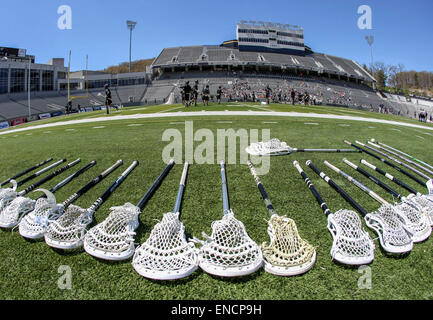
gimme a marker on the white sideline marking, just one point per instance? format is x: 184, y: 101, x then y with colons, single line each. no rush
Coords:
x: 217, y: 113
x: 420, y: 137
x: 135, y: 125
x: 47, y: 132
x: 311, y: 123
x: 265, y: 122
x: 429, y: 134
x: 70, y: 130
x: 395, y: 129
x: 29, y: 134
x: 344, y: 125
x: 224, y: 122
x: 102, y: 127
x: 371, y: 127
x: 177, y: 122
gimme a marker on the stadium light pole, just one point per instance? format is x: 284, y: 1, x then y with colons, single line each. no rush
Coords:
x: 28, y: 88
x: 131, y: 26
x: 370, y: 41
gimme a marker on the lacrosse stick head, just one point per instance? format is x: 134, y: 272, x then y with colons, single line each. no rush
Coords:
x: 229, y: 251
x: 7, y: 195
x: 166, y: 255
x: 270, y: 148
x: 113, y: 239
x: 429, y: 185
x: 416, y: 214
x: 393, y: 237
x: 34, y: 224
x: 68, y: 231
x: 11, y: 215
x: 351, y: 244
x: 287, y: 254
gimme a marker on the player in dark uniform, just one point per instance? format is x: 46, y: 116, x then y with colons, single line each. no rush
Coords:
x: 108, y: 99
x: 268, y: 92
x: 195, y: 93
x: 187, y: 90
x: 219, y: 94
x: 205, y: 95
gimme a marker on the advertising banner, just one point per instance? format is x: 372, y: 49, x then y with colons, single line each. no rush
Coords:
x: 18, y: 121
x: 44, y: 116
x: 4, y: 125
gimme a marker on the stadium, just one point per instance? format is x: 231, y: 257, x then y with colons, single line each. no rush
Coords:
x: 323, y: 237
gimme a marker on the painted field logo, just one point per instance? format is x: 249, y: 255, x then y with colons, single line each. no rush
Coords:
x: 199, y: 146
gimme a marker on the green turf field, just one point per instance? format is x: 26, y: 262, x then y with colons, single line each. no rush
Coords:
x: 29, y: 270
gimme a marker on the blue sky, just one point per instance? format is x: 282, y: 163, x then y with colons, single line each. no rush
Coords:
x: 403, y: 29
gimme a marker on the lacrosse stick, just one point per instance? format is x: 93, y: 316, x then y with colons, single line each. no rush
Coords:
x: 167, y: 255
x: 417, y: 230
x: 416, y: 197
x: 405, y: 154
x: 275, y: 147
x: 287, y: 254
x: 413, y: 217
x: 68, y: 231
x: 9, y: 194
x: 34, y: 224
x: 401, y: 157
x: 385, y: 161
x: 11, y: 215
x: 351, y: 244
x: 229, y: 251
x: 392, y: 236
x: 25, y: 172
x: 113, y: 239
x: 398, y: 161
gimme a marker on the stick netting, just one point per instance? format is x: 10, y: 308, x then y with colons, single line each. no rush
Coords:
x: 287, y: 248
x: 417, y: 221
x: 36, y: 222
x: 273, y: 146
x: 6, y: 197
x: 11, y: 215
x: 70, y: 228
x: 386, y: 222
x: 115, y: 235
x: 423, y: 202
x: 167, y: 251
x: 230, y: 246
x: 351, y: 242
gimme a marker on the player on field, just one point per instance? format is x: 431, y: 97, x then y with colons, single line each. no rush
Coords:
x: 219, y: 94
x: 195, y: 93
x: 187, y: 90
x: 108, y: 99
x: 268, y: 92
x: 205, y: 95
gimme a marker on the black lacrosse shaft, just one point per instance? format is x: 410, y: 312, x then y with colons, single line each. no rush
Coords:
x: 313, y: 190
x: 91, y: 184
x: 265, y: 197
x: 377, y: 181
x: 26, y: 171
x: 395, y: 180
x: 337, y: 188
x: 69, y: 179
x: 37, y: 174
x: 155, y: 186
x: 389, y: 164
x: 114, y: 186
x: 49, y: 177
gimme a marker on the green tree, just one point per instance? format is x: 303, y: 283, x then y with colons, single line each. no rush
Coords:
x: 381, y: 79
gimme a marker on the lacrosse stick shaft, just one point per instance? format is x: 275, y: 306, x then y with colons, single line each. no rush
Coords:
x: 49, y: 177
x: 403, y: 158
x: 313, y: 190
x: 374, y: 179
x: 390, y: 177
x: 155, y: 185
x: 325, y: 150
x: 265, y: 197
x: 70, y: 178
x: 387, y: 162
x: 226, y: 205
x: 357, y: 183
x: 337, y: 188
x: 181, y: 189
x: 37, y: 174
x: 400, y: 163
x: 407, y: 155
x: 113, y: 187
x: 91, y: 184
x: 25, y: 171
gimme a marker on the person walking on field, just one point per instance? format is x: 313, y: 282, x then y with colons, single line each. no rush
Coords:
x: 108, y: 99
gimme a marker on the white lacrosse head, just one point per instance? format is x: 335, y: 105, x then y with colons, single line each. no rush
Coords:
x: 11, y: 215
x: 34, y: 224
x: 113, y: 239
x: 419, y: 213
x: 430, y: 187
x: 351, y: 244
x: 272, y: 147
x: 287, y: 254
x: 229, y: 251
x: 6, y: 197
x: 392, y: 235
x: 68, y: 231
x: 166, y: 255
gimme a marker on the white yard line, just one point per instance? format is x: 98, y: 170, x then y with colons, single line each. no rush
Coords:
x: 216, y: 113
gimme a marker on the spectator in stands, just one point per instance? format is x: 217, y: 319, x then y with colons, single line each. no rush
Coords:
x: 306, y: 98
